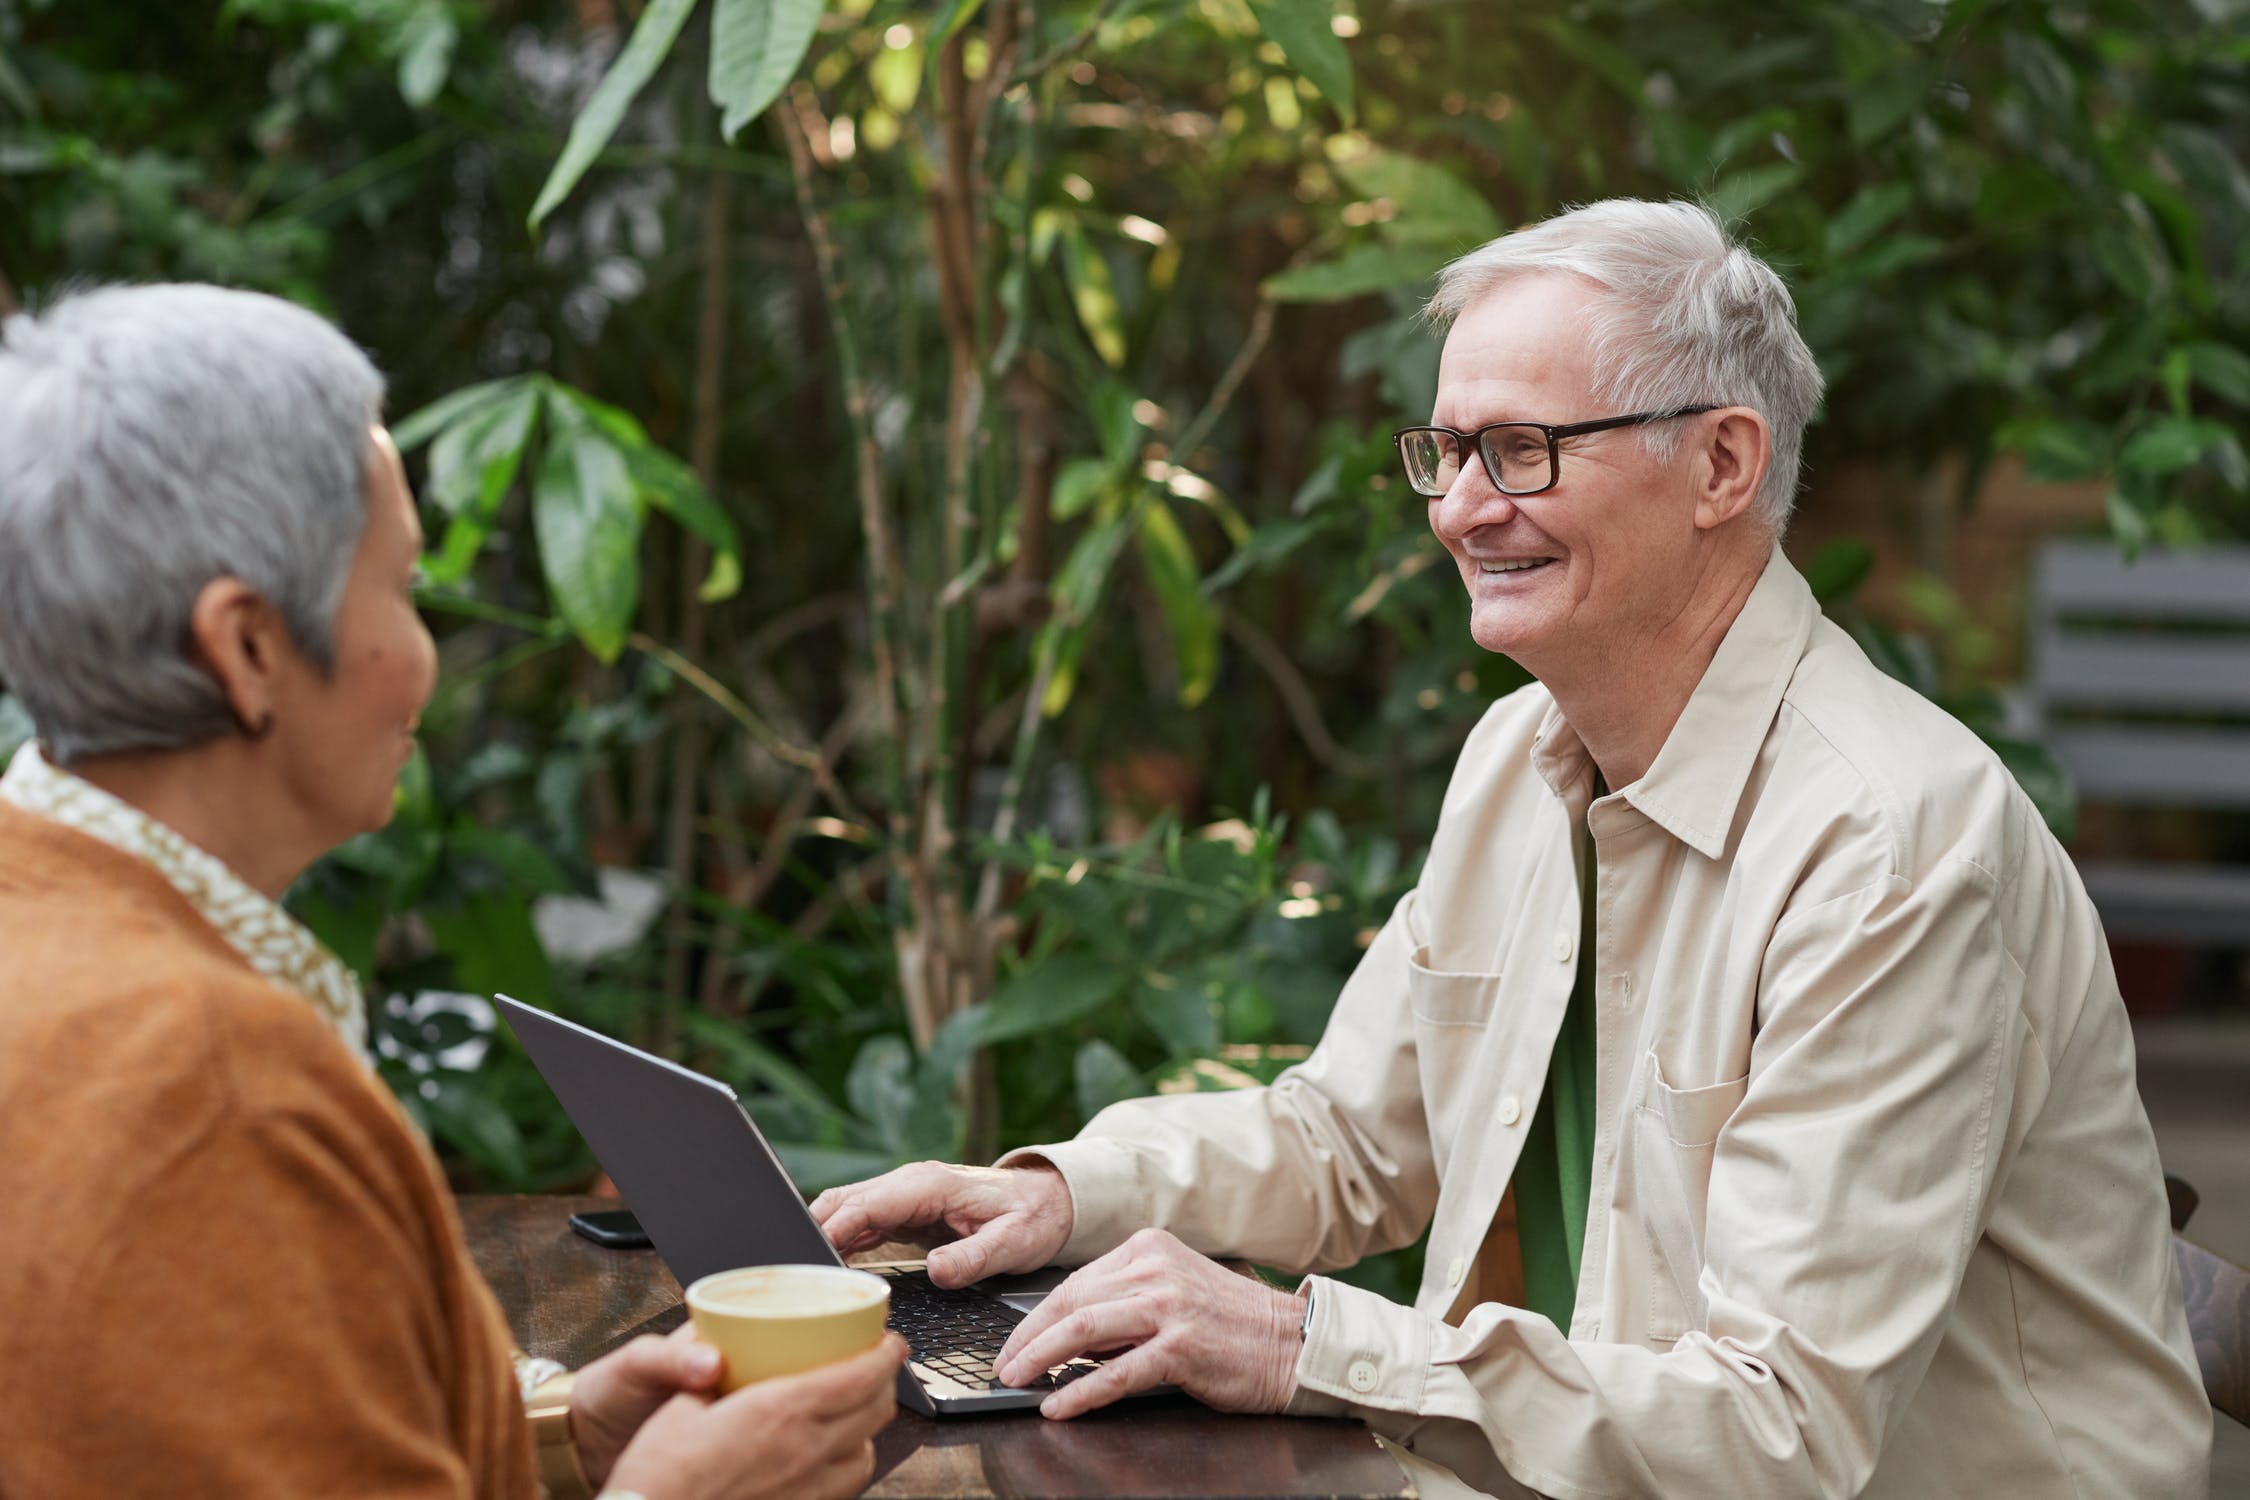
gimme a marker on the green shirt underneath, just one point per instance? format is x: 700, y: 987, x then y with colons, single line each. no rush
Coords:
x: 1554, y: 1176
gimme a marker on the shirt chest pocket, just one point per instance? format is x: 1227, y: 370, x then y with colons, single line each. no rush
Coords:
x: 1452, y: 1013
x: 1674, y: 1136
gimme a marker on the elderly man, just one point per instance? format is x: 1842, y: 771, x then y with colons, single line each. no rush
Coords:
x: 1744, y: 981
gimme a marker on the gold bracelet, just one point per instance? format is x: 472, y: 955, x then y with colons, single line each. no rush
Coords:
x: 560, y: 1472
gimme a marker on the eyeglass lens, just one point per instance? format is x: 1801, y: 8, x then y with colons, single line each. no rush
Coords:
x: 1516, y: 459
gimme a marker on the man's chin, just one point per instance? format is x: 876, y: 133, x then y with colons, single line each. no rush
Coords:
x: 1507, y: 632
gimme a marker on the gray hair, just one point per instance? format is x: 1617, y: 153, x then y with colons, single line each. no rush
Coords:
x: 152, y: 439
x: 1690, y: 318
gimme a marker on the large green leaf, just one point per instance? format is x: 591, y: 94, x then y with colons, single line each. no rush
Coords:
x: 413, y: 431
x: 1094, y: 295
x: 473, y: 461
x: 2222, y: 369
x: 1838, y: 569
x: 1186, y: 1016
x: 2167, y: 445
x: 1360, y: 271
x: 1738, y: 195
x: 462, y: 1113
x: 494, y: 947
x: 426, y: 43
x: 1433, y: 205
x: 1192, y: 619
x: 671, y: 486
x: 756, y: 48
x: 1870, y: 211
x: 1104, y: 1076
x: 586, y: 515
x: 652, y: 39
x: 880, y: 1087
x: 1051, y: 995
x: 1301, y: 28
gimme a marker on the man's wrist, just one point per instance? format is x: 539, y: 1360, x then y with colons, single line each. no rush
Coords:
x: 1291, y: 1315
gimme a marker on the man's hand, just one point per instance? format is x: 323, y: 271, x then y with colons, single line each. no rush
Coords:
x: 795, y: 1437
x: 1227, y: 1340
x: 617, y: 1393
x: 985, y: 1220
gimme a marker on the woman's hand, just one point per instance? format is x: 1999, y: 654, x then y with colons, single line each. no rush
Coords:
x: 984, y: 1220
x: 616, y: 1394
x: 1229, y: 1341
x: 795, y: 1437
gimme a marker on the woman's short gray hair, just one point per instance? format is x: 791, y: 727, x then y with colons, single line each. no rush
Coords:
x: 1691, y: 318
x: 153, y: 438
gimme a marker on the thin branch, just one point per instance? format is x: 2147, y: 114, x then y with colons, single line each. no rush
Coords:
x: 781, y: 834
x: 885, y: 578
x: 1222, y: 394
x: 1046, y: 60
x: 1297, y: 698
x: 1019, y: 770
x: 743, y: 715
x: 822, y: 609
x: 694, y: 557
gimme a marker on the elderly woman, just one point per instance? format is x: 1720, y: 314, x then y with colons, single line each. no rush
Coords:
x: 232, y: 1266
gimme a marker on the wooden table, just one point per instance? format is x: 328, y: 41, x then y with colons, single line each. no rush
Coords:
x: 570, y: 1300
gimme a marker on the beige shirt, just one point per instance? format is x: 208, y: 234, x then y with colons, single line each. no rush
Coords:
x: 1875, y: 1207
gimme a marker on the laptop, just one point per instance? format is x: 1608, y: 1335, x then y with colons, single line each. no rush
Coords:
x: 712, y: 1195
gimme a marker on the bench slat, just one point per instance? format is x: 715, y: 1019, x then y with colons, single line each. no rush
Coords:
x: 2157, y: 765
x: 2172, y: 673
x: 2090, y: 578
x: 2194, y: 904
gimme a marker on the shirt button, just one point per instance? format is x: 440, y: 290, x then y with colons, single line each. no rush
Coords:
x: 1510, y: 1110
x: 1564, y: 943
x: 1361, y: 1376
x: 1455, y: 1269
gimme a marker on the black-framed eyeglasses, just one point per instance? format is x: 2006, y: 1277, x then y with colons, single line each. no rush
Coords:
x: 1520, y: 458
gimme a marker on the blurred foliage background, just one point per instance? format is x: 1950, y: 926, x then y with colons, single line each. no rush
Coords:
x: 914, y: 532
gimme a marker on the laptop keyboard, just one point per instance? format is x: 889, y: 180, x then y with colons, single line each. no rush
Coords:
x: 960, y: 1333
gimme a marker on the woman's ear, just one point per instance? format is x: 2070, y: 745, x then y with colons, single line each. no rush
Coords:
x: 244, y: 645
x: 1737, y: 450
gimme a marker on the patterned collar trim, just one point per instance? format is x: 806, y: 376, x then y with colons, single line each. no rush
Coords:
x: 271, y: 941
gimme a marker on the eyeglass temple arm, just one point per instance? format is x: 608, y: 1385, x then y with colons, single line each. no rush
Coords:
x: 1604, y: 424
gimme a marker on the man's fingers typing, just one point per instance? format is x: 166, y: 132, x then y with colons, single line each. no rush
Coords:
x: 1136, y: 1370
x: 1103, y: 1325
x: 1077, y: 1289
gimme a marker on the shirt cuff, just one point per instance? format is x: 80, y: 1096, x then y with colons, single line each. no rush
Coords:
x: 532, y: 1373
x: 1364, y: 1354
x: 1107, y: 1202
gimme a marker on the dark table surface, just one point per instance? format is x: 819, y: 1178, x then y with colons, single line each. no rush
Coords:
x: 570, y: 1300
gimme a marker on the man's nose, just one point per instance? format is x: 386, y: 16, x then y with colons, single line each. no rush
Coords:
x: 1473, y: 500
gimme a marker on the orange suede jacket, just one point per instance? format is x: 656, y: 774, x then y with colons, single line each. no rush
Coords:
x: 229, y: 1265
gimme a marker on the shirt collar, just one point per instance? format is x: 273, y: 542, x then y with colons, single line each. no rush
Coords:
x: 271, y: 941
x: 1696, y: 782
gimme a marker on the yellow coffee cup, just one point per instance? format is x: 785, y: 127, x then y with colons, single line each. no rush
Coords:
x: 778, y: 1320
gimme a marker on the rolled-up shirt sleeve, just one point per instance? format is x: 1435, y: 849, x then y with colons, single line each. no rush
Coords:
x: 1845, y: 1195
x: 1330, y: 1164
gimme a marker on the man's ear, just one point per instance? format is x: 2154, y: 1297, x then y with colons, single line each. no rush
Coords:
x: 243, y: 643
x: 1737, y: 450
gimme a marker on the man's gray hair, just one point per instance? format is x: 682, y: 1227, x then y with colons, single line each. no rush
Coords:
x: 1691, y: 318
x: 152, y: 439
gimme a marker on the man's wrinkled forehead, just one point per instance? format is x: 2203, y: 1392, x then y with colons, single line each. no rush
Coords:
x: 1522, y: 345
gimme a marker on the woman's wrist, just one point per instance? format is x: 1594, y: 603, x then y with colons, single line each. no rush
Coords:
x: 562, y: 1470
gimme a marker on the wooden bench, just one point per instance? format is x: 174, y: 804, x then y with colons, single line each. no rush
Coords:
x: 2140, y: 684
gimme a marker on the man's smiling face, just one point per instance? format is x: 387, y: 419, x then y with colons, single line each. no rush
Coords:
x: 1593, y: 564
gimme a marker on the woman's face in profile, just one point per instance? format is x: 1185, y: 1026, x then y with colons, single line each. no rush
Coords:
x: 344, y: 737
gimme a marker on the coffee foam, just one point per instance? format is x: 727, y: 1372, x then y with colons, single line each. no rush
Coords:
x: 788, y: 1292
